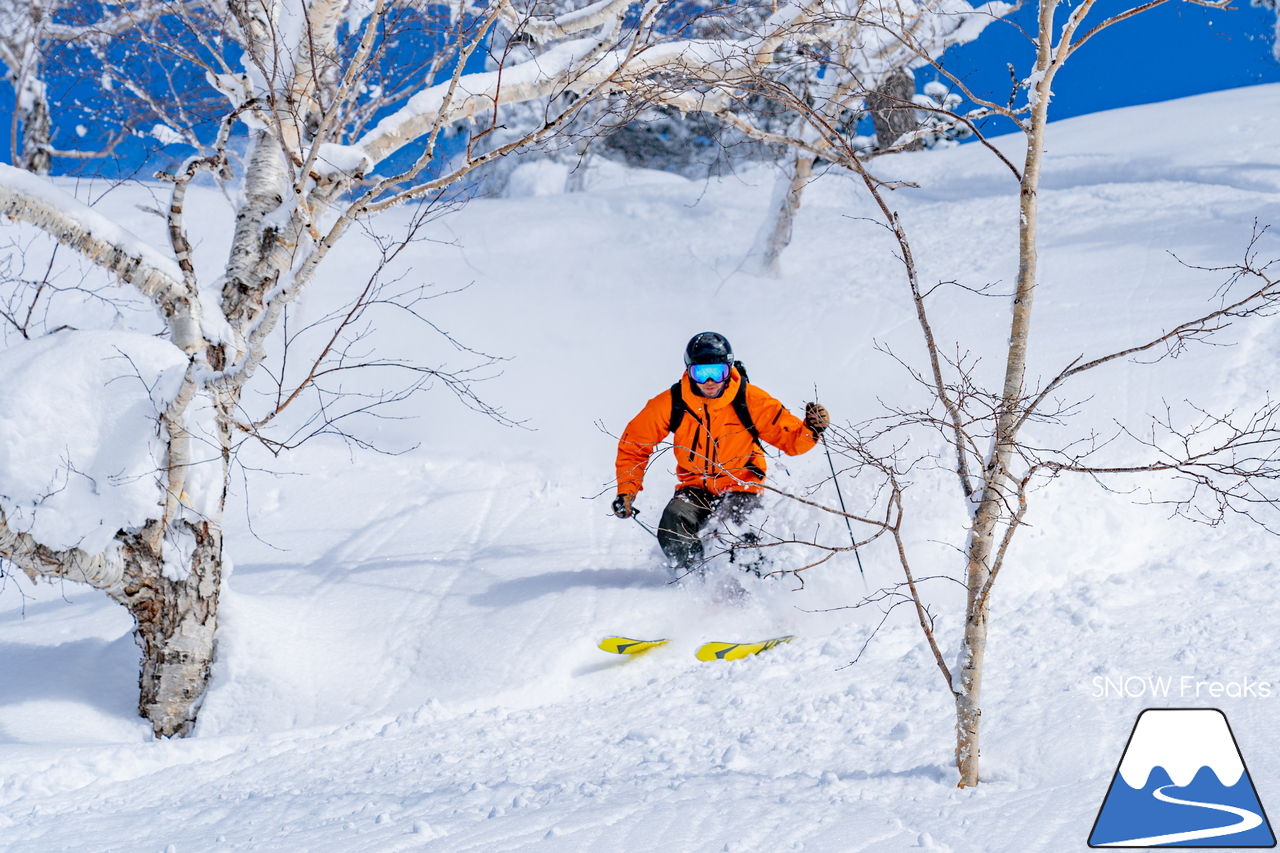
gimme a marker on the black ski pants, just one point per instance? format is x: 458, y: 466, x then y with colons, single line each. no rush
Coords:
x: 687, y: 512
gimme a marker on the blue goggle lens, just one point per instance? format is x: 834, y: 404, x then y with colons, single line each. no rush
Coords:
x: 701, y: 373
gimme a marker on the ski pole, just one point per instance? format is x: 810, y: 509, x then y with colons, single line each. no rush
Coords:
x: 840, y: 495
x: 635, y: 514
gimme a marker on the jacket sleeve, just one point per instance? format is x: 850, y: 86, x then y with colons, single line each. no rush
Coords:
x: 639, y: 439
x: 778, y: 426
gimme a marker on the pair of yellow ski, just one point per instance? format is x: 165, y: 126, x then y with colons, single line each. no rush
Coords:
x: 706, y: 652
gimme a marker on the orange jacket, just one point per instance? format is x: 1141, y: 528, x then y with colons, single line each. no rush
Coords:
x: 712, y: 447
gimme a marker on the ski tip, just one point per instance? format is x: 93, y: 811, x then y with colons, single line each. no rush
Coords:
x: 628, y: 646
x: 736, y: 651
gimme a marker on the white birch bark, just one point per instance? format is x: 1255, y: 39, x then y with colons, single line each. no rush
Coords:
x: 776, y: 232
x: 37, y: 128
x: 996, y: 476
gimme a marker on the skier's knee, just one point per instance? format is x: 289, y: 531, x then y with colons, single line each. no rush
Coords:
x: 738, y: 505
x: 682, y: 551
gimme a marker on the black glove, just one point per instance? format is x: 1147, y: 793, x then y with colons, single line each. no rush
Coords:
x: 622, y: 506
x: 816, y: 418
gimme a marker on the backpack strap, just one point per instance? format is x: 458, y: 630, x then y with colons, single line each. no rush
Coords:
x: 677, y: 407
x: 743, y: 413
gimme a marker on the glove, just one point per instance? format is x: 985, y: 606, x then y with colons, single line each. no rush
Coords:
x: 816, y: 418
x: 622, y: 506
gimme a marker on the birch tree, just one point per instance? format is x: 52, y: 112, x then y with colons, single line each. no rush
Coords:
x: 340, y: 128
x: 1230, y: 462
x: 346, y: 115
x: 753, y: 71
x: 344, y: 122
x: 994, y: 478
x: 835, y: 63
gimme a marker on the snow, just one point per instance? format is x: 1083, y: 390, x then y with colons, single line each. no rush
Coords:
x: 166, y: 134
x: 406, y: 654
x: 1032, y: 85
x: 971, y: 24
x: 541, y: 177
x: 78, y: 434
x: 333, y: 158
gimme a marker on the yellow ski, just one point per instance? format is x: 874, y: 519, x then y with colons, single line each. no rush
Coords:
x: 626, y: 646
x: 734, y: 651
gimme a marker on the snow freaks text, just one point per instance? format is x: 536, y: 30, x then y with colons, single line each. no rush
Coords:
x: 1181, y: 687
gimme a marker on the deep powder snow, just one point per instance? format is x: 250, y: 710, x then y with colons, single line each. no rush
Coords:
x: 407, y: 651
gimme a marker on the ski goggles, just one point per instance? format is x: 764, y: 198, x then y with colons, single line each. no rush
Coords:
x: 701, y: 373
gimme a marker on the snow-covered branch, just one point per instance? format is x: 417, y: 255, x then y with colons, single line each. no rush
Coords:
x: 36, y: 201
x: 678, y: 71
x: 589, y: 17
x: 102, y: 571
x: 560, y: 69
x: 119, y: 23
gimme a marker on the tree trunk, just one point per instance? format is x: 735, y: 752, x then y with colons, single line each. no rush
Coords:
x: 892, y: 112
x: 36, y: 129
x: 266, y: 183
x: 775, y: 235
x: 172, y: 582
x: 968, y: 690
x: 175, y: 610
x: 990, y: 509
x: 31, y: 95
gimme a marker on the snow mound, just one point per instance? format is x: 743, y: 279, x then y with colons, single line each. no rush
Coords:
x: 85, y: 406
x: 541, y: 177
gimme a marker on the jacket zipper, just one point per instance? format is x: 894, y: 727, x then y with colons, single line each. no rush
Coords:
x: 697, y: 436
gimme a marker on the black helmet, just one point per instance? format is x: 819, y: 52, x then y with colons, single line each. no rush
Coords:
x: 708, y: 348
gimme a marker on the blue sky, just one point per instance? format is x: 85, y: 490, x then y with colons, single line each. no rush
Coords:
x: 1172, y: 51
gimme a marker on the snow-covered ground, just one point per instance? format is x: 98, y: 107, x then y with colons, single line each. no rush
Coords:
x: 407, y: 653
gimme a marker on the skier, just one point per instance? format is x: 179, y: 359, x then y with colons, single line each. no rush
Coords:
x: 718, y: 419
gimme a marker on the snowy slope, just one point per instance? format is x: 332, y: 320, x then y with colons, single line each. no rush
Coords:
x: 407, y: 655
